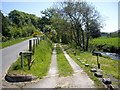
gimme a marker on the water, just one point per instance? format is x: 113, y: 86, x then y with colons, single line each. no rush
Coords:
x: 111, y: 55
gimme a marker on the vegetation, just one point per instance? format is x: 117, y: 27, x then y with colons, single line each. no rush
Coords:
x: 74, y: 22
x: 12, y: 42
x: 112, y: 34
x: 109, y: 66
x: 18, y: 24
x: 41, y: 64
x: 106, y: 44
x: 63, y: 65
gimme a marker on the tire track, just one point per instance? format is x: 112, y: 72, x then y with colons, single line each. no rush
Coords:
x: 79, y: 79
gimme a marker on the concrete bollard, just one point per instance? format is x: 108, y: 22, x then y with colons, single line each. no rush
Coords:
x: 99, y: 75
x: 87, y: 65
x: 106, y: 81
x: 78, y: 58
x: 93, y: 70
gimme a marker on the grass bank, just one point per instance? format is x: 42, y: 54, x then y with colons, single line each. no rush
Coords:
x: 106, y: 44
x: 12, y: 42
x: 41, y: 64
x: 63, y: 66
x: 109, y: 66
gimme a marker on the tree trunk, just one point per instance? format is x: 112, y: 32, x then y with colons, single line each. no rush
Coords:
x: 83, y: 40
x: 87, y: 43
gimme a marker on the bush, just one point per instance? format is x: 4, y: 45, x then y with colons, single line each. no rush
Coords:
x: 28, y: 31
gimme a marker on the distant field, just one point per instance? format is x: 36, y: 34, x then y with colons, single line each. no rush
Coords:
x: 106, y: 44
x: 105, y: 40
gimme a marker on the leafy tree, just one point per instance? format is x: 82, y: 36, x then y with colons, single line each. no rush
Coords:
x: 82, y: 18
x: 28, y: 31
x: 19, y: 24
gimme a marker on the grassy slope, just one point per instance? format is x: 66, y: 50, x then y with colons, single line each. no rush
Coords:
x: 105, y: 40
x: 63, y: 65
x: 12, y: 42
x: 109, y: 66
x: 41, y: 64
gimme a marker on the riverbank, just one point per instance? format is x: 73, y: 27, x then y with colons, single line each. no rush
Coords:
x: 105, y: 44
x: 109, y: 67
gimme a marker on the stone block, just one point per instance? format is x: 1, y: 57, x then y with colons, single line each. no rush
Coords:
x: 78, y: 58
x: 93, y: 70
x: 99, y: 75
x: 83, y: 62
x: 87, y: 65
x: 106, y: 81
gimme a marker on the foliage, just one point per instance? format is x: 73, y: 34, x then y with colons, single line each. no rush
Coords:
x: 109, y: 66
x: 18, y: 24
x: 12, y: 42
x: 41, y: 64
x: 28, y: 31
x: 36, y: 34
x: 106, y: 44
x: 77, y: 22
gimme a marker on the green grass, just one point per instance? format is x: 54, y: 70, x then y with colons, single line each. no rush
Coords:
x: 105, y: 40
x: 109, y: 66
x: 41, y: 64
x: 12, y: 42
x: 105, y: 44
x: 63, y: 65
x: 38, y: 35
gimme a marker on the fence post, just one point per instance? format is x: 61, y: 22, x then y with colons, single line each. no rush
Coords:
x: 36, y: 42
x: 98, y: 63
x: 21, y: 60
x: 30, y: 59
x: 30, y: 45
x: 22, y: 64
x: 33, y: 46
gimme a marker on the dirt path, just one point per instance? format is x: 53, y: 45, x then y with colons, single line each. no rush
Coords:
x: 49, y: 81
x: 79, y: 79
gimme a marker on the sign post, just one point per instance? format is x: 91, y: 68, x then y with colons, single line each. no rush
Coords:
x: 97, y: 54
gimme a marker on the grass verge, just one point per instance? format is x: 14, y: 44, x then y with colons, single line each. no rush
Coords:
x: 63, y: 66
x: 109, y: 66
x: 12, y: 42
x: 41, y: 64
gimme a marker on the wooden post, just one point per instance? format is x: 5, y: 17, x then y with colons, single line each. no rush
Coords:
x: 36, y: 42
x: 98, y: 63
x: 21, y: 61
x: 30, y: 45
x: 30, y: 59
x: 33, y: 46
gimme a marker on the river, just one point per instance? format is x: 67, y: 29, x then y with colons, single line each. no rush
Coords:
x: 111, y: 55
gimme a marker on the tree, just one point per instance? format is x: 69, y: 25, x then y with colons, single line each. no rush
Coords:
x: 62, y: 28
x: 82, y: 18
x: 19, y: 24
